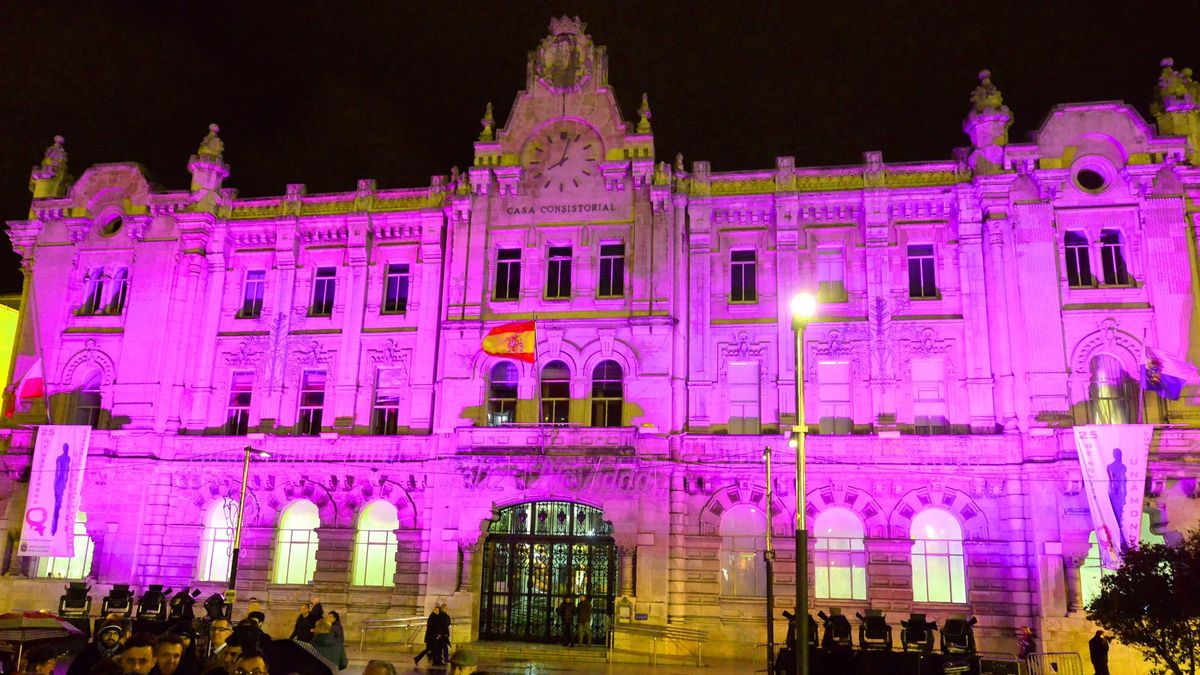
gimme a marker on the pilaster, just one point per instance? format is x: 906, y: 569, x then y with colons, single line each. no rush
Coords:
x: 335, y: 554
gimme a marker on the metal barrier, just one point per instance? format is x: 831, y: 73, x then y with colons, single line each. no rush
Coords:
x: 1054, y: 663
x: 411, y: 625
x: 676, y: 634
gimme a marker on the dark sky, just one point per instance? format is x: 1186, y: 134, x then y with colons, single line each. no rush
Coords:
x: 326, y: 93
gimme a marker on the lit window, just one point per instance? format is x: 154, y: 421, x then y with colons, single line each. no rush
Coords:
x: 395, y: 292
x: 938, y: 567
x: 216, y: 543
x: 77, y: 566
x: 558, y: 273
x: 841, y: 557
x: 922, y: 282
x: 1111, y: 394
x: 612, y: 271
x: 608, y: 396
x: 833, y: 392
x: 929, y: 396
x: 743, y: 538
x: 743, y: 277
x: 1112, y: 258
x: 296, y: 544
x: 253, y: 289
x: 324, y: 290
x: 556, y: 393
x: 88, y: 402
x: 502, y: 395
x: 1079, y: 260
x: 375, y: 545
x: 385, y: 415
x: 831, y: 275
x: 93, y: 292
x: 241, y: 391
x: 744, y: 413
x: 312, y: 402
x: 119, y: 292
x: 508, y: 274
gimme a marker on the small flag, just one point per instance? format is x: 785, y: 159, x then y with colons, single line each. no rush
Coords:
x: 515, y: 340
x: 1165, y: 374
x: 32, y: 386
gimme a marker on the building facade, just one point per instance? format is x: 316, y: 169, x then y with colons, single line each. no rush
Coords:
x: 973, y: 310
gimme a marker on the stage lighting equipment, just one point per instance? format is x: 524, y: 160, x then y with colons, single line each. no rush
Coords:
x: 874, y: 633
x: 837, y: 631
x: 152, y: 606
x: 791, y: 634
x: 958, y: 635
x: 75, y: 603
x: 181, y: 605
x: 916, y: 634
x: 119, y: 601
x: 214, y: 607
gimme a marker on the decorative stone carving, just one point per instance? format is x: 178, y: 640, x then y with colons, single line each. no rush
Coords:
x: 212, y: 147
x: 563, y: 60
x: 390, y: 354
x: 91, y: 354
x: 278, y: 356
x: 643, y: 125
x: 986, y: 97
x: 488, y: 122
x: 1175, y: 88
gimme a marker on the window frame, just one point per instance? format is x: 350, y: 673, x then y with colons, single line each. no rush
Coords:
x: 558, y: 272
x: 241, y: 425
x: 954, y: 558
x: 1077, y: 256
x: 373, y: 543
x: 324, y: 278
x: 252, y: 307
x: 831, y: 291
x: 925, y: 257
x: 210, y: 541
x: 508, y: 270
x: 309, y: 414
x: 853, y: 554
x: 604, y: 402
x: 395, y: 301
x: 743, y: 276
x: 282, y: 568
x: 611, y: 271
x: 1112, y: 254
x: 559, y: 405
x: 743, y: 548
x: 385, y: 417
x: 507, y: 404
x: 95, y: 412
x: 93, y: 292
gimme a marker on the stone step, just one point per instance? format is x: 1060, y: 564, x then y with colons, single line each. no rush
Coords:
x: 525, y: 651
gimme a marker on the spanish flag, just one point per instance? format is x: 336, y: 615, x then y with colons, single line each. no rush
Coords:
x: 517, y: 340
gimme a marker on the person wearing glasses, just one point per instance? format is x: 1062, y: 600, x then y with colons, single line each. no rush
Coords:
x: 218, y: 631
x: 251, y: 663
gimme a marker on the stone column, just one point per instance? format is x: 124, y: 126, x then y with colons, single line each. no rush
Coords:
x: 1071, y: 569
x: 626, y: 552
x: 677, y: 552
x: 466, y: 574
x: 411, y: 560
x: 335, y: 551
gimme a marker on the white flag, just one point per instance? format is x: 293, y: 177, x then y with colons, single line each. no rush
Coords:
x: 1113, y: 458
x: 55, y: 483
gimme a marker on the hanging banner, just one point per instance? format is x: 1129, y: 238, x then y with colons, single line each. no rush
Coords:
x: 1113, y: 460
x: 55, y: 483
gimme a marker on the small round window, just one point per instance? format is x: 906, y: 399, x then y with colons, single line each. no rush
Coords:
x: 1090, y: 180
x: 112, y: 226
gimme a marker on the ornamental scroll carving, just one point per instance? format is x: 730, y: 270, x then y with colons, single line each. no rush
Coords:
x: 1108, y: 339
x: 91, y: 354
x: 392, y: 355
x: 849, y: 345
x: 278, y: 356
x: 742, y: 350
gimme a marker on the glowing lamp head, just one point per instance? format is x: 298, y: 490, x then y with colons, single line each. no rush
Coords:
x: 263, y: 454
x: 804, y: 306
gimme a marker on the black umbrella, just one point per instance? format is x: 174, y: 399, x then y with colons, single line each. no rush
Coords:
x: 294, y: 656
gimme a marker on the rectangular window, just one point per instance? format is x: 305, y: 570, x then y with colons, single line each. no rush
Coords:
x: 1079, y: 260
x: 743, y: 277
x: 921, y: 280
x: 241, y: 391
x: 508, y: 274
x: 612, y: 271
x: 743, y: 398
x: 395, y: 290
x: 324, y: 289
x: 558, y: 273
x: 312, y: 402
x: 929, y: 396
x: 119, y: 292
x: 253, y: 289
x: 833, y: 389
x: 831, y: 275
x: 1112, y: 257
x: 93, y: 292
x: 385, y: 415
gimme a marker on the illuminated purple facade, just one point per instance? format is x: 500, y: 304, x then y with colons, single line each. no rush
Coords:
x: 973, y: 310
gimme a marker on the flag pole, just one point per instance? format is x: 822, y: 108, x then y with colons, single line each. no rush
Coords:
x: 1142, y: 380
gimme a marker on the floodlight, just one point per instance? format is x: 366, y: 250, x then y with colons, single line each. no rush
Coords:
x: 152, y: 606
x: 916, y: 634
x: 958, y: 635
x: 119, y: 601
x: 181, y: 605
x: 791, y: 634
x: 214, y: 607
x: 837, y: 631
x: 874, y: 632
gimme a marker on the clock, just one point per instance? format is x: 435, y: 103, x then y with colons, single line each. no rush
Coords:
x: 561, y: 157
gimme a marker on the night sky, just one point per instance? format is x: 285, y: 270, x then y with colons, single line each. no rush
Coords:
x: 327, y: 93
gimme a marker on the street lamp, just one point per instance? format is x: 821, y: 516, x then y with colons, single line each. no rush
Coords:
x: 804, y: 307
x: 769, y: 559
x: 231, y: 593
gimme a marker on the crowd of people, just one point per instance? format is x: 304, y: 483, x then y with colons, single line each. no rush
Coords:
x: 575, y: 620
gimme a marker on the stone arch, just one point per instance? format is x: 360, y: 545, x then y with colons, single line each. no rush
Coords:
x: 744, y: 494
x: 846, y: 496
x: 367, y: 491
x: 604, y: 350
x: 970, y: 516
x: 291, y: 491
x: 1107, y: 339
x: 93, y: 356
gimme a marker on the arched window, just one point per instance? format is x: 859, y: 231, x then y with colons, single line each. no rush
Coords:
x: 375, y: 544
x: 216, y: 543
x: 556, y: 393
x: 1109, y: 392
x: 841, y: 557
x: 88, y: 401
x: 77, y: 566
x: 296, y: 543
x: 502, y: 395
x: 938, y: 567
x: 743, y: 538
x: 608, y: 396
x: 120, y: 291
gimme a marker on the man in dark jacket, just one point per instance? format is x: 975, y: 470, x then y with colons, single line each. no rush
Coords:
x: 583, y: 619
x: 303, y: 630
x: 566, y: 619
x: 432, y: 625
x: 1098, y: 648
x: 327, y: 645
x: 103, y: 646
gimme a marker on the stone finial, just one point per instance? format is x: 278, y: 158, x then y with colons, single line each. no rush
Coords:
x: 49, y: 178
x: 1176, y: 89
x: 643, y: 125
x: 678, y: 163
x: 212, y: 147
x: 986, y: 96
x: 488, y: 122
x: 55, y: 156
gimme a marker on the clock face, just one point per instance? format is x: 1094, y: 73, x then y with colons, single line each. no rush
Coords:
x: 562, y: 157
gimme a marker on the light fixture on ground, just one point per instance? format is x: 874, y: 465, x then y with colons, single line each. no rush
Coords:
x: 804, y: 308
x: 231, y: 594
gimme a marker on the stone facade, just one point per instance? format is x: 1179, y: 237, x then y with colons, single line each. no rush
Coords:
x: 953, y: 353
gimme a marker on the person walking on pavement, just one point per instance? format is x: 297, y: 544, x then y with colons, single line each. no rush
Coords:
x: 431, y: 628
x: 1026, y: 643
x: 583, y: 619
x: 327, y: 644
x: 1098, y: 649
x: 444, y: 640
x: 566, y: 619
x: 303, y: 630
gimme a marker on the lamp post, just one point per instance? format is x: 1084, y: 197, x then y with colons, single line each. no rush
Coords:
x: 769, y: 558
x: 231, y: 593
x: 803, y: 306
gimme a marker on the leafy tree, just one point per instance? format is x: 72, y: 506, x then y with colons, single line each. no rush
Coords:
x: 1152, y: 603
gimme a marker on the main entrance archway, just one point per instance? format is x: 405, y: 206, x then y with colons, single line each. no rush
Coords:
x: 535, y: 554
